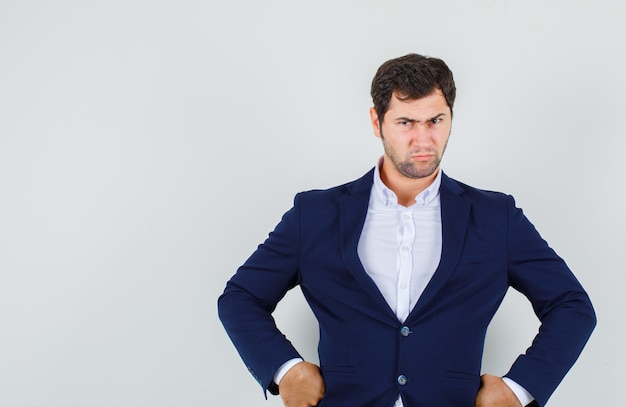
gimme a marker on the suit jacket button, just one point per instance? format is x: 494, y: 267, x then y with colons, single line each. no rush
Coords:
x: 405, y: 331
x: 402, y: 380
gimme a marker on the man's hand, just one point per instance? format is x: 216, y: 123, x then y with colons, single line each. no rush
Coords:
x: 495, y: 393
x: 302, y: 386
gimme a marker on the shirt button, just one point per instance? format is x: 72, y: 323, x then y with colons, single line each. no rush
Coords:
x: 405, y: 331
x: 405, y: 249
x: 402, y: 380
x: 403, y: 285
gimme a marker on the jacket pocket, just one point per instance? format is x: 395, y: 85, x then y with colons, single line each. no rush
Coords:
x: 450, y: 374
x: 337, y: 369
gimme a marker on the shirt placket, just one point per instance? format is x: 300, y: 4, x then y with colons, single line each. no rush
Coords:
x: 405, y: 264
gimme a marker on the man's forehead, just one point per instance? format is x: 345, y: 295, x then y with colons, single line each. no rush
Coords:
x: 432, y: 104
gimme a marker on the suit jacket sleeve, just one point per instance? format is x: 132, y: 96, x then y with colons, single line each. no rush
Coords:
x: 251, y: 296
x: 564, y: 309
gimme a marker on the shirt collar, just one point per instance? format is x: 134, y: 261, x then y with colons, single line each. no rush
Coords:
x: 387, y: 197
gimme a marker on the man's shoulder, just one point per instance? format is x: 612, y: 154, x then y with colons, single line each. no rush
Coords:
x: 472, y: 192
x: 359, y: 185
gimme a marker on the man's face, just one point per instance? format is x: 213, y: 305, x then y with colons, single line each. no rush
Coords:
x: 414, y: 134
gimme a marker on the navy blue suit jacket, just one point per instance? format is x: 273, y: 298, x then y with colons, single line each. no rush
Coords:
x: 488, y: 246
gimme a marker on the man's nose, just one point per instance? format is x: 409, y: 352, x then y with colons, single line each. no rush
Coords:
x: 420, y: 135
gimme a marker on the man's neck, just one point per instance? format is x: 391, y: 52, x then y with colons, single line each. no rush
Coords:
x: 405, y: 188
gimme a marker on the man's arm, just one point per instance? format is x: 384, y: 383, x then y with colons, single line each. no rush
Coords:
x: 246, y: 306
x: 559, y: 301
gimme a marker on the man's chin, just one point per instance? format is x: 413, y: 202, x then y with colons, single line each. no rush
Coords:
x: 418, y: 172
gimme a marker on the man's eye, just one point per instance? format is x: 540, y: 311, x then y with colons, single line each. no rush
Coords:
x: 436, y: 120
x: 404, y: 122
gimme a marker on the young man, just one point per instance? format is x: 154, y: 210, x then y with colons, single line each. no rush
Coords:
x: 404, y: 269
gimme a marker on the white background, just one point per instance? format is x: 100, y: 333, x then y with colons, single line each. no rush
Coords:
x: 147, y: 147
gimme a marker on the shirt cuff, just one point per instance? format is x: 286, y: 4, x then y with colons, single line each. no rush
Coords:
x: 522, y: 394
x: 284, y: 368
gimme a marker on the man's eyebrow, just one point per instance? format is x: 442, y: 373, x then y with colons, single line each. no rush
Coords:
x: 409, y: 119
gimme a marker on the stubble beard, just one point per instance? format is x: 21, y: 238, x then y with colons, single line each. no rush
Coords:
x: 408, y: 167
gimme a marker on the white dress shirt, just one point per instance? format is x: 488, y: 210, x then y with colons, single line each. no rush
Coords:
x: 400, y: 246
x: 400, y: 249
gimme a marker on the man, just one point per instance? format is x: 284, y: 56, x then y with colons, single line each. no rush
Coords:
x: 404, y: 269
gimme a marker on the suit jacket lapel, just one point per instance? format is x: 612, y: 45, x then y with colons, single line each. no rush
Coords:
x: 352, y: 212
x: 455, y: 212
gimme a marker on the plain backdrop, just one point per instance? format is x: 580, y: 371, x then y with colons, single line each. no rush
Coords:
x: 147, y: 147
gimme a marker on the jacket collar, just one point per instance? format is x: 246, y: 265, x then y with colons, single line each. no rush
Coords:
x: 455, y: 211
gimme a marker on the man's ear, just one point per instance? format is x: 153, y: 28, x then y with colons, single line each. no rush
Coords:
x: 375, y: 122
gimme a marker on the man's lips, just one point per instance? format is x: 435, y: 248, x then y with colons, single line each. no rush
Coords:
x: 422, y: 156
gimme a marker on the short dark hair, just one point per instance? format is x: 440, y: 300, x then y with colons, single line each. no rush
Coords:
x: 412, y: 76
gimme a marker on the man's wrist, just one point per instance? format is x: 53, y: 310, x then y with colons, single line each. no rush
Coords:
x: 521, y: 393
x: 284, y: 368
